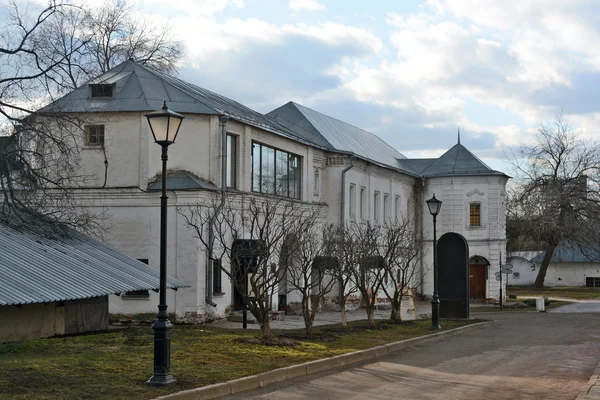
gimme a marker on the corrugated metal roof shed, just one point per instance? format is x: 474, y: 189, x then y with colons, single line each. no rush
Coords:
x: 38, y: 269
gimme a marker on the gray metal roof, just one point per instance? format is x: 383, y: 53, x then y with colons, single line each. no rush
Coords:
x: 416, y: 164
x: 458, y: 161
x: 139, y: 88
x: 182, y: 180
x: 334, y: 134
x: 569, y: 253
x: 38, y: 269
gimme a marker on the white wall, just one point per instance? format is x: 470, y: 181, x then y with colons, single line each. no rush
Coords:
x: 487, y: 240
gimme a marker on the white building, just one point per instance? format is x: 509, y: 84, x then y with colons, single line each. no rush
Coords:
x: 569, y: 266
x: 348, y: 172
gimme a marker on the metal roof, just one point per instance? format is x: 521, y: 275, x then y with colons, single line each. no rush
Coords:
x: 569, y: 253
x: 182, y: 180
x: 458, y: 161
x: 39, y: 269
x: 334, y: 134
x: 139, y: 88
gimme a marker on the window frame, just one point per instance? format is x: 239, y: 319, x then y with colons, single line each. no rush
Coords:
x: 98, y: 91
x: 352, y: 202
x: 397, y: 207
x: 477, y: 216
x: 231, y: 168
x: 217, y: 283
x: 363, y: 202
x: 386, y: 207
x: 291, y: 158
x: 376, y: 205
x: 100, y: 138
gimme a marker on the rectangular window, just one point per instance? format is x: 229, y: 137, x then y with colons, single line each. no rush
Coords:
x: 352, y: 202
x: 94, y: 135
x: 217, y: 282
x: 317, y: 183
x: 376, y: 206
x: 275, y: 171
x: 386, y: 207
x: 231, y: 162
x: 137, y: 294
x: 363, y: 203
x: 475, y: 214
x: 397, y: 210
x: 102, y: 90
x: 592, y: 282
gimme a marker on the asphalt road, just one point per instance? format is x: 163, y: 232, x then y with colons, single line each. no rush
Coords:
x: 546, y: 356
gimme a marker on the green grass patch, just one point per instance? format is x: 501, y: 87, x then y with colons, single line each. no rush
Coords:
x: 567, y: 292
x: 116, y: 364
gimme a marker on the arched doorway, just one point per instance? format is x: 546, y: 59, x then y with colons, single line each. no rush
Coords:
x: 478, y: 274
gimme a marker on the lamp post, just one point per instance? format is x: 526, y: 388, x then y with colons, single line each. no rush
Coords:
x: 434, y: 208
x: 164, y: 125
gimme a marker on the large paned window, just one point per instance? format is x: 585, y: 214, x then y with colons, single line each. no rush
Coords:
x: 275, y: 171
x: 231, y: 161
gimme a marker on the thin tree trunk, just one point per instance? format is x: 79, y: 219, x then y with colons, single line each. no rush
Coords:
x: 265, y: 328
x: 343, y: 311
x: 541, y: 276
x: 371, y: 315
x: 395, y: 314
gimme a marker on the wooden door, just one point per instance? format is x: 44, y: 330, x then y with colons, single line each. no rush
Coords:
x: 477, y: 282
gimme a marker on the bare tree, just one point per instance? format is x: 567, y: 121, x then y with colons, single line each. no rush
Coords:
x: 248, y: 233
x: 401, y: 252
x: 342, y: 272
x: 39, y: 158
x: 92, y: 40
x: 309, y: 259
x: 369, y: 273
x: 555, y: 201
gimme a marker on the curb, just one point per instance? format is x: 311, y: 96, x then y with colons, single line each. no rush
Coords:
x: 583, y: 393
x: 311, y: 367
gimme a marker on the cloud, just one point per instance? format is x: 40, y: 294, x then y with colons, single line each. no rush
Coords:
x: 310, y: 5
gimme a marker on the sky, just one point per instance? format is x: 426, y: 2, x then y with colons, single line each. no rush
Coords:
x: 410, y: 71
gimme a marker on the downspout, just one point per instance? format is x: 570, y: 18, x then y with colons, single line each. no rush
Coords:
x: 343, y: 209
x: 211, y: 235
x: 421, y: 229
x: 343, y: 206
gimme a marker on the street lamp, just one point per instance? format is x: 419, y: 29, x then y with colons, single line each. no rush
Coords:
x: 164, y: 125
x: 434, y: 208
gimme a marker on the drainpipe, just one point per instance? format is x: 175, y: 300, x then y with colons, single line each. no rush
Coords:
x: 343, y: 209
x: 343, y: 206
x: 211, y: 235
x: 421, y: 228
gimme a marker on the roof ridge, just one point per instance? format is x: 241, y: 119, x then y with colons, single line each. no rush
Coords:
x: 345, y: 123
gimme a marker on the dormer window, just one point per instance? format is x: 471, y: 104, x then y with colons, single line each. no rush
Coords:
x: 102, y: 90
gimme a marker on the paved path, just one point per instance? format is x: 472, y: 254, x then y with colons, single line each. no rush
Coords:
x: 328, y: 317
x: 545, y: 356
x: 579, y: 307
